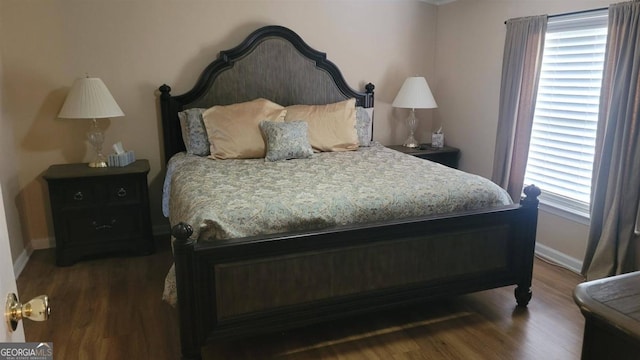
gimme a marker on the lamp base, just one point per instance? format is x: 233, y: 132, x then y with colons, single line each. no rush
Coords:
x: 95, y: 136
x: 411, y: 142
x: 98, y: 164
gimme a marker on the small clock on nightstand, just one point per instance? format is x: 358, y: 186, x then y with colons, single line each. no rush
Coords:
x: 445, y: 155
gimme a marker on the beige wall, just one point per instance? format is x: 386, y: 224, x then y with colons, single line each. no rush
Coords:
x: 469, y: 49
x: 136, y: 45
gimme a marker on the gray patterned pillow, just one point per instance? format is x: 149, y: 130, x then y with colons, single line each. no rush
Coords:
x: 286, y: 140
x: 194, y: 134
x: 363, y: 126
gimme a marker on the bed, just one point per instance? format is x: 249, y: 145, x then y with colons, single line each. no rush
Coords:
x: 280, y: 274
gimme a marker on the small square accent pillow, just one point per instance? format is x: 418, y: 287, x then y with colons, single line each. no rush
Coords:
x: 332, y: 127
x: 286, y: 140
x: 233, y: 130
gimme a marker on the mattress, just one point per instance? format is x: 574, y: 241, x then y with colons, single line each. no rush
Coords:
x: 238, y: 198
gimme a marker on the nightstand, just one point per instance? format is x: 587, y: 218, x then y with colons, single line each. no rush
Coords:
x: 99, y: 211
x: 446, y: 155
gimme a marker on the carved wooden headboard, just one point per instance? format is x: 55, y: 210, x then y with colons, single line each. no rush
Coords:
x: 273, y: 63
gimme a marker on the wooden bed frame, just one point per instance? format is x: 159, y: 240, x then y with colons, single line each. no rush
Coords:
x: 239, y: 287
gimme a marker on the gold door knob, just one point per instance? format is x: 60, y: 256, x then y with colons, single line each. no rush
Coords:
x: 37, y: 310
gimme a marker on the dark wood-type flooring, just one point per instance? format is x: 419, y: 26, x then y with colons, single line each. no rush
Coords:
x: 111, y: 308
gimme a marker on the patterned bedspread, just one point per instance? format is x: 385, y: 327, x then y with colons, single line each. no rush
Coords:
x: 238, y: 198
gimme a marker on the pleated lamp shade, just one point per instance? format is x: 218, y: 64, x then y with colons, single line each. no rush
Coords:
x: 89, y: 98
x: 415, y: 94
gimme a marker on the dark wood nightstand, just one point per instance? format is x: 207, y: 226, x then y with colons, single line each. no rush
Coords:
x: 99, y: 210
x: 446, y: 155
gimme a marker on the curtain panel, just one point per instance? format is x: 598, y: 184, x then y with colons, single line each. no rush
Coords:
x: 521, y: 63
x: 612, y: 246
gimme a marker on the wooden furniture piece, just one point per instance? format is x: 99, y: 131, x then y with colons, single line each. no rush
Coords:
x: 293, y: 279
x: 99, y: 210
x: 446, y: 155
x: 611, y: 308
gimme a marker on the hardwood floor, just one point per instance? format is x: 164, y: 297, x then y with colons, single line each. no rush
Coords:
x: 111, y: 309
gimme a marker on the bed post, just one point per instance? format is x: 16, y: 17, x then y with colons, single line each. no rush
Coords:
x: 183, y: 258
x: 530, y: 208
x: 368, y: 102
x: 171, y: 132
x: 165, y: 99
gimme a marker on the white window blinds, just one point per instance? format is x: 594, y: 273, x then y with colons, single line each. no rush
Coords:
x: 564, y: 127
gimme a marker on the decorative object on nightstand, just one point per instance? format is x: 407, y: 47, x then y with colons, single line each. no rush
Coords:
x: 121, y: 157
x: 437, y: 138
x: 445, y: 155
x: 99, y: 211
x: 414, y: 94
x: 89, y: 98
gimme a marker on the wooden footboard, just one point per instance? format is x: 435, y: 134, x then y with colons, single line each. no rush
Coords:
x: 240, y: 287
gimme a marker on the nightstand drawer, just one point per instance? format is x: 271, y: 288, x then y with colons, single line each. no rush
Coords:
x: 446, y: 155
x: 124, y: 190
x: 77, y: 194
x: 445, y: 158
x: 97, y: 226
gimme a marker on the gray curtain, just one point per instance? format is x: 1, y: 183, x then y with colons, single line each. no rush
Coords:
x: 612, y: 246
x: 521, y: 64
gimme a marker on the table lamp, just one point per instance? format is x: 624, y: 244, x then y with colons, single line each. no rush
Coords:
x: 414, y: 94
x: 89, y: 98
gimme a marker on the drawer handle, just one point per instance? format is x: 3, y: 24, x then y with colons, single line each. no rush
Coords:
x: 78, y: 196
x: 122, y: 192
x: 103, y: 226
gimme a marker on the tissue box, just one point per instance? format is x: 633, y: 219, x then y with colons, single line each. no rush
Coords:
x: 119, y: 160
x: 437, y: 140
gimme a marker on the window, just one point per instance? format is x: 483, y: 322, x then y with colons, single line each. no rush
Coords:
x: 566, y: 113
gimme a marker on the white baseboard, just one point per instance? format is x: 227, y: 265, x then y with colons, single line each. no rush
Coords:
x: 43, y: 243
x: 47, y: 243
x: 21, y: 262
x: 559, y: 258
